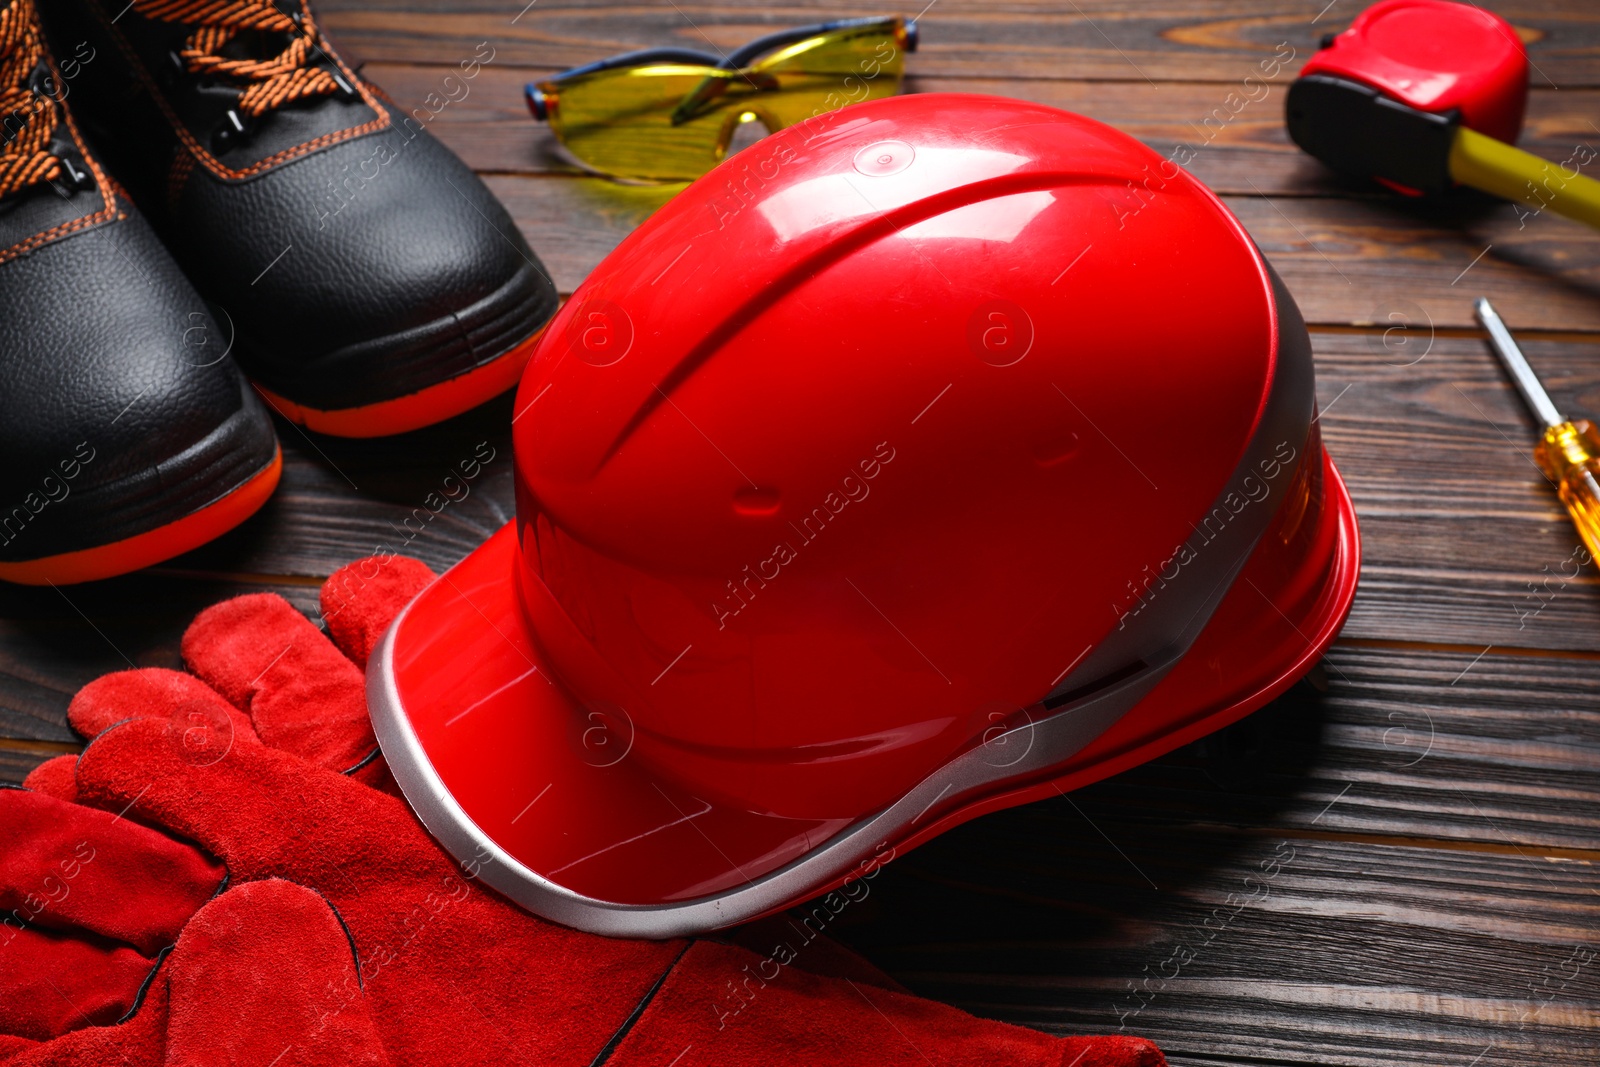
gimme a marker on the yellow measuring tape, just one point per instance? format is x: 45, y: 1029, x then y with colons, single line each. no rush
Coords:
x: 1498, y: 168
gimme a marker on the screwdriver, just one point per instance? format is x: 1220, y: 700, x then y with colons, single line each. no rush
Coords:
x: 1569, y: 450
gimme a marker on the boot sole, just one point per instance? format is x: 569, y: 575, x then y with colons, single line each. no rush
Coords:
x: 151, y: 546
x: 416, y: 410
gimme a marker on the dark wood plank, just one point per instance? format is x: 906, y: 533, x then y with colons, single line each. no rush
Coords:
x: 1464, y: 542
x: 1343, y: 878
x: 1210, y: 40
x: 1353, y: 942
x: 1239, y: 145
x: 1340, y: 932
x: 16, y: 762
x: 340, y: 500
x: 1243, y: 948
x: 1344, y: 260
x: 1497, y: 754
x: 54, y: 641
x: 1235, y: 885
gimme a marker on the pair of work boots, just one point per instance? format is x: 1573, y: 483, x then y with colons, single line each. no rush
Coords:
x: 290, y: 221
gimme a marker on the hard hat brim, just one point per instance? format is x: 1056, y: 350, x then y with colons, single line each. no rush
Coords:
x: 538, y: 794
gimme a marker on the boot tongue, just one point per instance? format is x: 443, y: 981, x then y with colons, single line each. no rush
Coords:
x: 256, y: 45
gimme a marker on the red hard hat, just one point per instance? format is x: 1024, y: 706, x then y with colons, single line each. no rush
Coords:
x: 920, y: 460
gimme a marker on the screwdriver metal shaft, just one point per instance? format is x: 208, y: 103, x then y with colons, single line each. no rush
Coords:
x: 1569, y: 450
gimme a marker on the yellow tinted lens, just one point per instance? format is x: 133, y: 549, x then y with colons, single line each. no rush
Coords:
x: 827, y: 72
x: 673, y: 122
x: 620, y: 121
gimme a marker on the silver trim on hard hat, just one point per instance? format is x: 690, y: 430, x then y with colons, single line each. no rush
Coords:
x: 1219, y: 548
x: 1048, y: 742
x: 1119, y: 672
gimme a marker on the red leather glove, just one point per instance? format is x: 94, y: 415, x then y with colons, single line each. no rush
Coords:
x: 106, y: 898
x: 259, y: 758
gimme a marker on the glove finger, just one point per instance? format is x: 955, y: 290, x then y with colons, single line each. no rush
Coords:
x: 69, y: 868
x: 264, y: 812
x: 301, y: 693
x: 51, y: 985
x: 765, y: 1008
x: 55, y: 777
x: 361, y: 599
x: 441, y: 946
x: 204, y: 723
x: 266, y: 974
x: 11, y: 1045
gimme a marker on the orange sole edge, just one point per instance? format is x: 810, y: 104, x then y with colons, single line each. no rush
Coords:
x: 152, y: 546
x: 416, y: 410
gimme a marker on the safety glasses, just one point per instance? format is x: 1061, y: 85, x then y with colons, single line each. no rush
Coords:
x: 670, y: 114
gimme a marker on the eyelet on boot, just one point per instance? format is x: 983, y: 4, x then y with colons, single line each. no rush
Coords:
x: 345, y: 88
x: 234, y: 129
x: 74, y: 175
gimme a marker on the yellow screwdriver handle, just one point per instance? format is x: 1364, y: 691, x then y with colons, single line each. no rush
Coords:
x: 1569, y: 454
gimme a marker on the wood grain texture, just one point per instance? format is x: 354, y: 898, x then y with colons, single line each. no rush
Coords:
x: 54, y: 641
x: 1345, y: 260
x: 1243, y: 949
x: 1464, y: 542
x: 1493, y: 754
x: 16, y: 763
x: 1156, y: 40
x: 1348, y: 877
x: 1290, y: 891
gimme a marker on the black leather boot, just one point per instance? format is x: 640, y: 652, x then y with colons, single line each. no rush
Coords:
x: 376, y: 283
x: 127, y: 434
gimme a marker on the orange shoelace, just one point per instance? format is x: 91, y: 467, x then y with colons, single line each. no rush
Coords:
x: 29, y: 119
x: 268, y: 83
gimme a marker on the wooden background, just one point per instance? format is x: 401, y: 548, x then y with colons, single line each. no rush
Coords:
x: 1396, y: 864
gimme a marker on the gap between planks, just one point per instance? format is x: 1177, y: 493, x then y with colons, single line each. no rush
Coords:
x: 1519, y: 651
x: 1466, y: 332
x: 40, y: 748
x: 1441, y: 844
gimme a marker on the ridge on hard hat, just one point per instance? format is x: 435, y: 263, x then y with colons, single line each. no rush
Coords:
x: 923, y: 458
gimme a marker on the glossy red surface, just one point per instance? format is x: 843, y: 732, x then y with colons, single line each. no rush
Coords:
x: 858, y: 441
x: 1435, y: 56
x: 769, y: 447
x: 1278, y: 618
x: 551, y: 778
